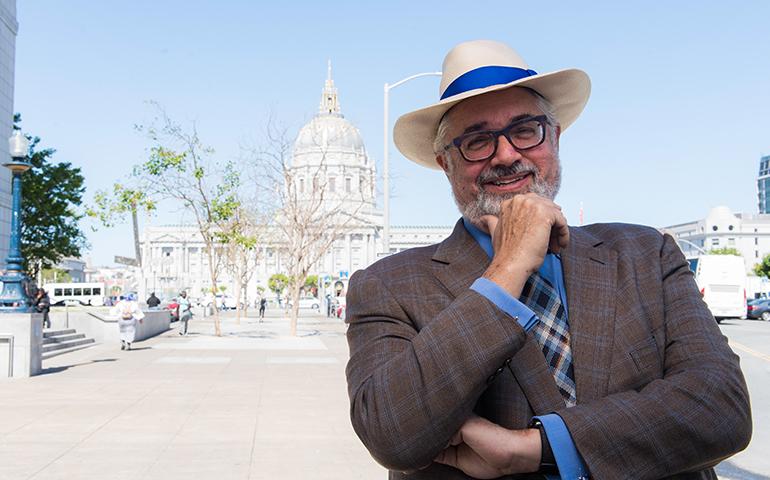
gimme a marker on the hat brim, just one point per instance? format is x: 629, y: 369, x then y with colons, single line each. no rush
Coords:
x: 567, y: 90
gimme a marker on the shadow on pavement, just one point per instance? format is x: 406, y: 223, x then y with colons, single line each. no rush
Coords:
x: 253, y: 334
x: 729, y: 470
x: 47, y: 371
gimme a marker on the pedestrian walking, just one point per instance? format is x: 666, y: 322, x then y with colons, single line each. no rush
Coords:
x: 183, y: 312
x: 329, y: 307
x: 153, y: 301
x: 43, y: 305
x: 129, y: 314
x: 262, y: 307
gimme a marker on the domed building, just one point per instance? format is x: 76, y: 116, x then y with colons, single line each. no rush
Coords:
x: 328, y: 156
x: 329, y: 165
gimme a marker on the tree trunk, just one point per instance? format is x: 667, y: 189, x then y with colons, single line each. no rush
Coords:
x: 214, y: 288
x: 245, y: 296
x: 238, y: 289
x: 294, y: 290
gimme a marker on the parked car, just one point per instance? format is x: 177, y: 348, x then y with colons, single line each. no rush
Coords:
x: 226, y: 302
x: 308, y: 302
x: 759, y: 309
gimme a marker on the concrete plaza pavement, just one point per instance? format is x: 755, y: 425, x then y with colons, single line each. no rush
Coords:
x: 252, y: 404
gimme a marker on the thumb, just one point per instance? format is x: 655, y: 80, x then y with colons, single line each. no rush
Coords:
x: 490, y: 223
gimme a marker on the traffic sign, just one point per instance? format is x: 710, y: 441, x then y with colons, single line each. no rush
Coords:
x: 126, y: 261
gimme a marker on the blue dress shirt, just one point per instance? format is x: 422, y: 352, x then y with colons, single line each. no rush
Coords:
x: 569, y: 461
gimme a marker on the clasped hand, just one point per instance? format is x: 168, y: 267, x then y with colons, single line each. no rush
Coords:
x: 528, y: 227
x: 483, y: 449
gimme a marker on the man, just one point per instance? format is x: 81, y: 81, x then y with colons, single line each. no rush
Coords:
x: 42, y: 305
x: 262, y: 308
x: 153, y: 301
x: 520, y: 345
x: 184, y: 312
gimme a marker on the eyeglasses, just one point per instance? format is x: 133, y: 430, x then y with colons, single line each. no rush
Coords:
x: 522, y: 134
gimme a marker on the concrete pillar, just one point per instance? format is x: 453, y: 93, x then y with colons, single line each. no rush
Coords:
x: 21, y: 340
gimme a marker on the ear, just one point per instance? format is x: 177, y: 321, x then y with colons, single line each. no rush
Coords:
x: 442, y: 160
x: 558, y: 135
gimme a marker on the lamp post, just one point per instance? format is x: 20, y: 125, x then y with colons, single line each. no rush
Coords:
x: 386, y: 160
x: 14, y: 295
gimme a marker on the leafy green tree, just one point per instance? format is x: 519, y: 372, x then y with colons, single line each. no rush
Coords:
x: 180, y: 169
x: 311, y: 281
x: 50, y: 275
x: 52, y: 195
x: 241, y: 237
x: 725, y: 251
x: 762, y: 269
x: 277, y: 283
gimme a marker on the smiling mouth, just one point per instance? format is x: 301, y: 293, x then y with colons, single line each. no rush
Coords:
x: 510, y: 180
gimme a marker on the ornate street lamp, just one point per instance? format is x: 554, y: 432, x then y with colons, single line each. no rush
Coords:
x: 14, y: 295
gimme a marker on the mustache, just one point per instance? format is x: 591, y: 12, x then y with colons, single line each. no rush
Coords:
x: 502, y: 171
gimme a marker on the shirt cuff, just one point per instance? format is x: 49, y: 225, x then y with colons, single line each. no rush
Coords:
x: 506, y: 302
x: 568, y: 459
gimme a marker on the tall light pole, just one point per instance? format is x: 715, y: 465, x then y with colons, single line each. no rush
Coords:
x: 14, y: 295
x: 386, y: 160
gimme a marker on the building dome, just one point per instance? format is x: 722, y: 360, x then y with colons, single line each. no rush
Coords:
x: 328, y: 139
x: 327, y: 132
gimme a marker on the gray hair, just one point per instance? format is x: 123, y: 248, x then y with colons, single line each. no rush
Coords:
x: 439, y: 142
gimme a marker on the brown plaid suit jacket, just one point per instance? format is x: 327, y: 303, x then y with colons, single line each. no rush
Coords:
x: 660, y: 393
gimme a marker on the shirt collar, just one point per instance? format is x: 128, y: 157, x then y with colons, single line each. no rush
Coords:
x: 483, y: 239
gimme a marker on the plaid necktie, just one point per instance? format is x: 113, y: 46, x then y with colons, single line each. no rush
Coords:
x: 552, y: 333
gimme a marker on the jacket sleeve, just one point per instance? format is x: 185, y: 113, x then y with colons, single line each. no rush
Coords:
x: 693, y: 417
x: 411, y: 390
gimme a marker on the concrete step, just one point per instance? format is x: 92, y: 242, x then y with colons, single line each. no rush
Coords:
x: 68, y: 350
x: 64, y: 345
x: 54, y: 333
x: 63, y: 338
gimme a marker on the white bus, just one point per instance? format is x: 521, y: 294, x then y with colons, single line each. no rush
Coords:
x: 722, y: 282
x: 76, y: 293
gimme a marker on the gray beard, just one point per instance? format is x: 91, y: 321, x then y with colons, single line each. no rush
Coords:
x: 487, y: 203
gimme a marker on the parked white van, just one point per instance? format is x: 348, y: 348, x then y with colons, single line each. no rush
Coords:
x: 722, y: 282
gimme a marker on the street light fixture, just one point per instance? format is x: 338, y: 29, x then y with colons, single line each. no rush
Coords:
x: 14, y: 295
x: 386, y: 160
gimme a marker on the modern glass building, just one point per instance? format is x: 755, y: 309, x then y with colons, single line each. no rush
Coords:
x: 763, y: 185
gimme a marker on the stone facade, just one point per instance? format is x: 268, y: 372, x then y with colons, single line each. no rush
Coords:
x: 721, y: 228
x: 328, y: 153
x: 8, y: 30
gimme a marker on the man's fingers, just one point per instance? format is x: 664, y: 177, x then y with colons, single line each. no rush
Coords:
x: 559, y: 238
x: 448, y: 456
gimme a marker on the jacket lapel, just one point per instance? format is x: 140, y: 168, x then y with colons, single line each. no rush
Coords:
x: 590, y: 278
x: 459, y: 260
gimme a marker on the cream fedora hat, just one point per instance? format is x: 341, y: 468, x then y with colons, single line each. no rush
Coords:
x: 479, y: 67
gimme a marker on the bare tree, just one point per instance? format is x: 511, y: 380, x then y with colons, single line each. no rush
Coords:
x: 311, y: 211
x: 241, y: 237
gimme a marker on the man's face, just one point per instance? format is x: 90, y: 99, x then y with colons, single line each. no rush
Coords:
x: 480, y: 187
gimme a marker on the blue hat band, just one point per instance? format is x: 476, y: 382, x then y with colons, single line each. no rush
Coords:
x: 483, y: 77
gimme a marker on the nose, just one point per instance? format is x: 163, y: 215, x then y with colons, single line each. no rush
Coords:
x: 505, y: 153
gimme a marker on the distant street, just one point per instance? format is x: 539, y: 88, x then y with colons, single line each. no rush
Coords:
x: 751, y: 340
